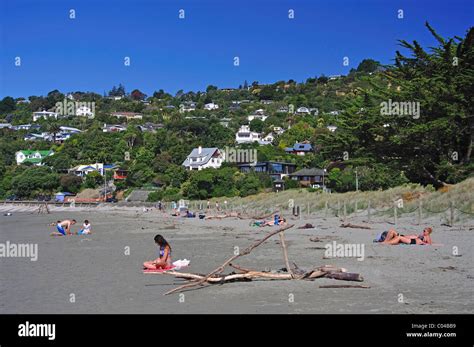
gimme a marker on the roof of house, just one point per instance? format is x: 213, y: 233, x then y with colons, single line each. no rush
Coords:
x: 300, y: 147
x: 263, y: 163
x: 126, y: 113
x: 206, y: 155
x: 43, y: 153
x: 308, y: 172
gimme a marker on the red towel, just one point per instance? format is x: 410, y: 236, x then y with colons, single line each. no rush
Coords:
x: 160, y: 270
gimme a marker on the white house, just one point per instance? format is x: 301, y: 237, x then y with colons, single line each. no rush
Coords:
x: 203, y: 158
x: 278, y: 130
x: 259, y: 114
x: 5, y: 125
x: 303, y: 110
x: 110, y: 128
x: 84, y: 111
x: 84, y: 170
x: 244, y: 135
x: 116, y: 97
x: 44, y: 115
x: 211, y: 106
x: 331, y: 128
x: 268, y: 139
x: 31, y: 156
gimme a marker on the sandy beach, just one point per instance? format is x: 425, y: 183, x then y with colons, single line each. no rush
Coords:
x: 97, y: 274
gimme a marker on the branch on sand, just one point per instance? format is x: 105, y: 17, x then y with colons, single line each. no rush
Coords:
x: 355, y: 226
x: 245, y: 274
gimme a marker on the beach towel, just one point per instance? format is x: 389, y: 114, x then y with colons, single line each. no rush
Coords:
x: 160, y: 270
x: 177, y: 265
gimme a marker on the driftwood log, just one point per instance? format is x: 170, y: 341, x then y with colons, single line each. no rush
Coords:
x: 355, y: 226
x: 228, y: 261
x: 244, y: 274
x: 239, y: 215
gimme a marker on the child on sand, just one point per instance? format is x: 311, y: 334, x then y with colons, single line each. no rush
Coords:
x: 164, y: 256
x: 86, y: 228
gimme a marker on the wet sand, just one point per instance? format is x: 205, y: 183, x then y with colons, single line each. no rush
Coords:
x: 97, y: 273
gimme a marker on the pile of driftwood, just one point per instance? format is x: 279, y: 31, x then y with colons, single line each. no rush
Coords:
x: 239, y: 215
x: 243, y: 274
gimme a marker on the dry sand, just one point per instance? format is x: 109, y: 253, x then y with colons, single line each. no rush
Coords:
x: 103, y: 279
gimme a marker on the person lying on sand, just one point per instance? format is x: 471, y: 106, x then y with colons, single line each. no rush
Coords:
x: 277, y: 221
x: 189, y: 214
x: 175, y: 213
x: 63, y: 227
x: 393, y: 238
x: 164, y: 256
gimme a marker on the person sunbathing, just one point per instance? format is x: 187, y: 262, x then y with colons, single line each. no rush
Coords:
x: 277, y: 221
x: 164, y: 256
x: 394, y: 238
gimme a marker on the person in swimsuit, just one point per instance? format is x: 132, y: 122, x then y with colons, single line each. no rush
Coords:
x: 164, y: 258
x: 63, y: 227
x: 394, y: 238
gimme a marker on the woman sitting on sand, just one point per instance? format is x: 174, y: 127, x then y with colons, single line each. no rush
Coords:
x: 164, y: 256
x: 393, y: 238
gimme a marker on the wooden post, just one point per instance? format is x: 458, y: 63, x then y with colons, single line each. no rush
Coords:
x: 368, y: 211
x: 395, y: 212
x: 309, y: 209
x: 326, y: 209
x: 356, y: 207
x: 345, y: 211
x: 451, y: 214
x: 420, y: 211
x: 338, y: 208
x: 285, y: 254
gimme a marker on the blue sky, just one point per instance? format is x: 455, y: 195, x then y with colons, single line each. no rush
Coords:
x: 166, y: 52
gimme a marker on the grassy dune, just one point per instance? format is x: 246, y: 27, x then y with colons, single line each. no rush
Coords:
x: 433, y: 202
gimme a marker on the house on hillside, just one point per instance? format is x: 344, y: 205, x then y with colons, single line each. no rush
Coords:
x: 203, y: 158
x: 127, y: 115
x: 211, y: 106
x: 261, y: 117
x: 32, y: 156
x: 300, y: 148
x: 309, y: 177
x: 276, y: 170
x: 44, y: 115
x: 278, y: 130
x: 113, y: 128
x: 84, y: 111
x: 187, y: 106
x: 303, y: 111
x: 244, y: 135
x: 120, y: 174
x: 149, y: 127
x: 84, y: 170
x: 225, y: 122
